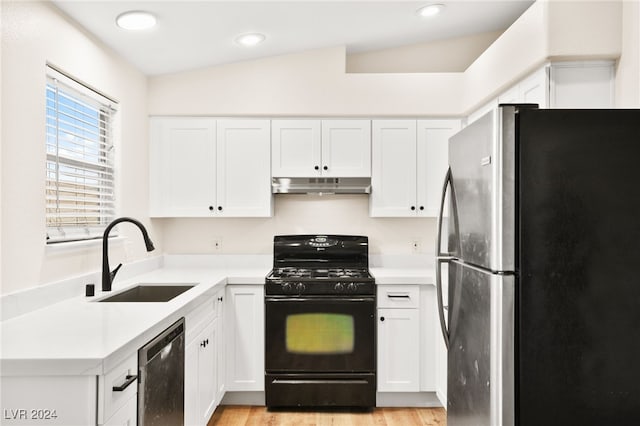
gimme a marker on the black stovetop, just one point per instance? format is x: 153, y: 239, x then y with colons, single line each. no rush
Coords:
x: 320, y: 265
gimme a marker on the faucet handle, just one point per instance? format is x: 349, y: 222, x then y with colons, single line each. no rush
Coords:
x: 113, y: 273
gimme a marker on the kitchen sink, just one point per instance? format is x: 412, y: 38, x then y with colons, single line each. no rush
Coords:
x: 149, y: 293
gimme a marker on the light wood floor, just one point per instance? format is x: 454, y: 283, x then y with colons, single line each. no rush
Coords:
x: 235, y: 415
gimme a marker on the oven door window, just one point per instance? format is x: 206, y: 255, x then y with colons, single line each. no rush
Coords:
x: 306, y: 334
x: 319, y: 333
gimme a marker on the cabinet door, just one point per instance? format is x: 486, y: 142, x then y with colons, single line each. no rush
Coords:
x: 398, y: 350
x: 582, y: 85
x: 244, y: 311
x: 207, y: 371
x: 433, y: 161
x: 295, y: 148
x: 393, y: 181
x: 200, y: 376
x: 182, y: 166
x: 535, y: 89
x: 243, y: 168
x: 346, y: 148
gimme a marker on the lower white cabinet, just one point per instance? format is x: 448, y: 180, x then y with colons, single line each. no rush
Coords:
x: 244, y: 336
x: 398, y: 350
x: 203, y: 361
x: 125, y: 416
x: 398, y: 338
x: 410, y: 347
x: 118, y: 393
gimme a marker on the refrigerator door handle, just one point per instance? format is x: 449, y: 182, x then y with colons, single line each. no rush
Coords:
x: 443, y: 257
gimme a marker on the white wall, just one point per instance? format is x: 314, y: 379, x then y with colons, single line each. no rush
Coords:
x: 299, y: 214
x: 450, y: 55
x: 34, y: 34
x: 310, y: 83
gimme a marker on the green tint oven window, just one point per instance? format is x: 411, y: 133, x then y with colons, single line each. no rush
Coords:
x: 320, y: 334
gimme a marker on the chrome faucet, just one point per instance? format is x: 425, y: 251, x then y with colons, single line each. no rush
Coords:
x: 108, y: 276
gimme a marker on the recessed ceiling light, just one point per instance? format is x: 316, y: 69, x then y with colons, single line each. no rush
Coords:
x: 430, y: 10
x: 250, y: 39
x: 136, y: 20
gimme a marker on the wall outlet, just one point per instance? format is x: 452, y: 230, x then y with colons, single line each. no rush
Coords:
x: 216, y: 243
x: 416, y: 246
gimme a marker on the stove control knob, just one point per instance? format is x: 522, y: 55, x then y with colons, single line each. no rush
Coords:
x: 287, y: 287
x: 300, y: 287
x: 339, y: 287
x: 352, y: 287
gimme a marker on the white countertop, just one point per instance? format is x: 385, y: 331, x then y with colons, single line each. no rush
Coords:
x: 82, y: 337
x: 79, y: 336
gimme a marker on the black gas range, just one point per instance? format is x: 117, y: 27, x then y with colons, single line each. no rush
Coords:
x: 320, y: 347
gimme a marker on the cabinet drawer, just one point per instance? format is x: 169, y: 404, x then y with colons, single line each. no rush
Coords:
x: 124, y: 377
x: 398, y: 296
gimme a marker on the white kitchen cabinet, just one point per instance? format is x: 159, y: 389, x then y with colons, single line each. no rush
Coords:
x: 398, y: 338
x: 125, y: 416
x: 112, y: 401
x: 588, y: 84
x: 204, y: 360
x: 575, y: 84
x: 531, y: 90
x: 182, y: 167
x: 321, y: 148
x: 203, y: 167
x: 410, y: 159
x: 244, y: 337
x: 243, y: 168
x: 295, y: 148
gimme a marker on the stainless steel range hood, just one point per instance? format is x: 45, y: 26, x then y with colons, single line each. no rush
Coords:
x: 321, y: 185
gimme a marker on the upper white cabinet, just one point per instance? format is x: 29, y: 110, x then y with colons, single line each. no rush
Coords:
x: 532, y: 90
x: 202, y: 167
x: 410, y: 159
x: 575, y: 84
x: 582, y: 84
x: 295, y: 148
x: 243, y: 169
x: 321, y: 148
x: 182, y: 166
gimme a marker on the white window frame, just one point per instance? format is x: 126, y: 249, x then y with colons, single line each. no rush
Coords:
x: 80, y: 183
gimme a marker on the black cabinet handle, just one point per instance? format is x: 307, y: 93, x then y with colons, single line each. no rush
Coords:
x: 325, y: 168
x: 128, y: 380
x: 382, y: 319
x: 219, y: 208
x: 413, y: 207
x: 219, y: 299
x: 317, y: 168
x: 421, y: 207
x: 211, y: 208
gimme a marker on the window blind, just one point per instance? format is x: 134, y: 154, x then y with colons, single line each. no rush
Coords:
x: 79, y: 197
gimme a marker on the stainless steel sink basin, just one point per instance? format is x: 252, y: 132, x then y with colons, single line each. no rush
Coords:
x: 149, y: 293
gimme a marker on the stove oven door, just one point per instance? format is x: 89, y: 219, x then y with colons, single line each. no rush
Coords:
x: 320, y: 352
x: 320, y: 335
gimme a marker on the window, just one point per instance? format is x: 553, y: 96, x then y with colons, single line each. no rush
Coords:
x: 79, y: 168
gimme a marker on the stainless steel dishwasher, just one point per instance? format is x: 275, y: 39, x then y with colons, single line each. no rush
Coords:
x: 161, y: 378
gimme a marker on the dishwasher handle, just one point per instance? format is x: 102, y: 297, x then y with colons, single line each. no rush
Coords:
x: 127, y: 381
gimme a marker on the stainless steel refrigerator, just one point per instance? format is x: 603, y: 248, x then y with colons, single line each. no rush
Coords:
x: 539, y: 238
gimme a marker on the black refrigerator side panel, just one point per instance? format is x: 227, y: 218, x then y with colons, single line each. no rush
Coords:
x: 578, y: 299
